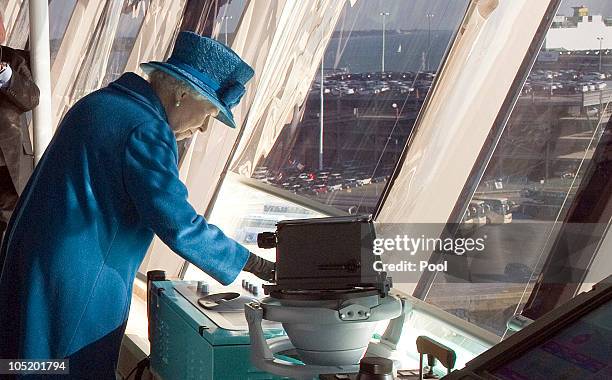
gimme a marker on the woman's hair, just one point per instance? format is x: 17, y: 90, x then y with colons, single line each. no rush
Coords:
x: 168, y: 83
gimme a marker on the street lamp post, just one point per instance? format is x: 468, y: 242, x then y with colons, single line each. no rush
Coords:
x: 600, y: 71
x: 384, y: 16
x: 429, y: 17
x: 600, y: 51
x: 321, y: 112
x: 225, y: 20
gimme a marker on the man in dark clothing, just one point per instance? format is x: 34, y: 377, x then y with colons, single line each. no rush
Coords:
x: 18, y: 94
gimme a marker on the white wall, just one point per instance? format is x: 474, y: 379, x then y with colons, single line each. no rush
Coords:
x: 583, y: 37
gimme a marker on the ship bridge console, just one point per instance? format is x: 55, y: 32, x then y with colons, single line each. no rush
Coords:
x: 432, y: 179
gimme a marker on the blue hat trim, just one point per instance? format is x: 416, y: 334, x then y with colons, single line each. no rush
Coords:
x: 232, y: 94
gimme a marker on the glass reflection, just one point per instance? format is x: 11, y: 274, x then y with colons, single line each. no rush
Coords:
x: 130, y: 22
x: 348, y: 133
x: 243, y: 212
x: 217, y: 19
x: 531, y: 180
x: 60, y: 12
x: 227, y: 19
x: 17, y: 25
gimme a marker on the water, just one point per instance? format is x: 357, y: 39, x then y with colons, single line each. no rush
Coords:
x: 363, y: 51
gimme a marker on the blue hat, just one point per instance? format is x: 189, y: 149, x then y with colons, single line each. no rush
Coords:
x: 211, y: 68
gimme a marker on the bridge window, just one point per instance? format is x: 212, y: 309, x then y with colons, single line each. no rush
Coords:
x: 330, y: 149
x: 338, y: 143
x: 527, y: 178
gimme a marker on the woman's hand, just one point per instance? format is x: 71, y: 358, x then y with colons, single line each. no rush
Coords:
x: 260, y: 267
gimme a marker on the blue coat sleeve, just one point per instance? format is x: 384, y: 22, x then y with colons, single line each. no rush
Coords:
x: 151, y: 178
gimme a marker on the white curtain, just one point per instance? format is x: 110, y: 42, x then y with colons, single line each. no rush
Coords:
x: 16, y: 22
x: 98, y: 52
x: 296, y: 53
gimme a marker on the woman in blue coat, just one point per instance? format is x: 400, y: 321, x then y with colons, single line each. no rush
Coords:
x: 106, y: 184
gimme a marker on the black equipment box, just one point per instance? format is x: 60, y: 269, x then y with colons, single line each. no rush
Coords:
x: 325, y: 254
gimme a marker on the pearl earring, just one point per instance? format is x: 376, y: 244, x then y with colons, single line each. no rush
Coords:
x: 178, y: 103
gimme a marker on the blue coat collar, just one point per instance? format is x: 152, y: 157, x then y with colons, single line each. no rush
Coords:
x: 140, y: 89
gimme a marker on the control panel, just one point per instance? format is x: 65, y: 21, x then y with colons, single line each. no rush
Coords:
x: 198, y: 327
x: 252, y: 288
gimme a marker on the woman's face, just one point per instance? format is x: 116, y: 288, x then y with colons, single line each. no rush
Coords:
x: 190, y: 116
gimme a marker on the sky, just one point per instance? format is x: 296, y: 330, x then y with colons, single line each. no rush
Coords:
x: 365, y: 14
x: 597, y: 7
x: 404, y: 14
x: 411, y: 14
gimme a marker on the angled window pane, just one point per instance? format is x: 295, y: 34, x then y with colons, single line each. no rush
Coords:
x: 366, y: 110
x: 346, y: 134
x: 107, y: 53
x: 18, y: 26
x: 227, y: 19
x: 217, y: 19
x: 243, y: 212
x: 60, y: 12
x: 130, y: 21
x: 96, y: 53
x: 531, y: 179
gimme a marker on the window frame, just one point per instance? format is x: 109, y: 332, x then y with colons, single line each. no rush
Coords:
x: 418, y: 121
x: 324, y: 208
x: 70, y: 55
x: 563, y: 273
x: 491, y: 142
x: 140, y: 26
x: 302, y: 200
